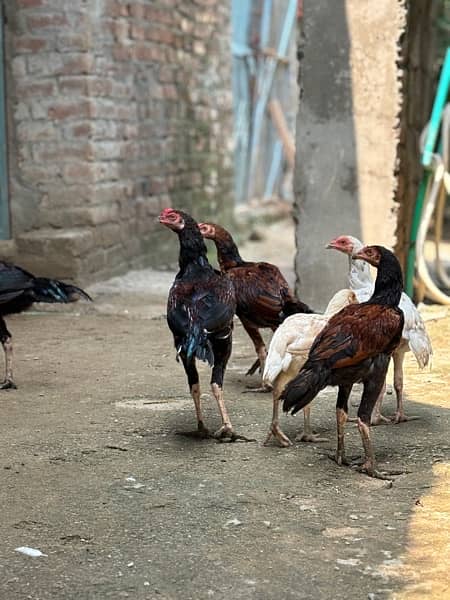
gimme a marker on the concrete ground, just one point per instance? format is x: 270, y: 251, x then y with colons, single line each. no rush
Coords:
x: 95, y: 476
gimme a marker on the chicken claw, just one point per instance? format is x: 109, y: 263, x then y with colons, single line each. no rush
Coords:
x: 258, y: 390
x: 226, y: 433
x: 309, y: 437
x: 402, y: 418
x: 379, y: 419
x: 282, y: 438
x: 8, y: 384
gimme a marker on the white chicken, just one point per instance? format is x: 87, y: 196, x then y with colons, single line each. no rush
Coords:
x: 288, y: 351
x: 415, y: 336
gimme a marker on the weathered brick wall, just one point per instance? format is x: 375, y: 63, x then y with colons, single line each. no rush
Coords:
x: 117, y: 108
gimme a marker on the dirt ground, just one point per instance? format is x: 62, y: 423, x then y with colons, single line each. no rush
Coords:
x: 94, y: 475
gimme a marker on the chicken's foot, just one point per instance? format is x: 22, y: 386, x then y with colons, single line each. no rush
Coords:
x: 224, y: 435
x: 275, y: 429
x: 400, y: 417
x: 278, y: 434
x: 226, y: 431
x: 368, y: 466
x: 8, y: 383
x: 257, y: 390
x: 377, y: 418
x: 201, y: 432
x: 308, y: 435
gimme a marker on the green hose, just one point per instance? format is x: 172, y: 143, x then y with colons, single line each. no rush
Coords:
x: 411, y: 259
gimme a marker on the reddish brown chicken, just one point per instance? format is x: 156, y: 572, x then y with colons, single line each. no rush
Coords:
x: 355, y: 346
x: 263, y: 295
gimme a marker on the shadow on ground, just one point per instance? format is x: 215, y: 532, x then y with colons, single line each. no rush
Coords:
x: 94, y: 475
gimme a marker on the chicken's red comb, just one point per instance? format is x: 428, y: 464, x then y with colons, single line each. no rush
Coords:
x: 168, y: 211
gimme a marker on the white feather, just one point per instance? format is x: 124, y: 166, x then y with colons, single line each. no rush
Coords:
x: 414, y: 332
x: 292, y: 340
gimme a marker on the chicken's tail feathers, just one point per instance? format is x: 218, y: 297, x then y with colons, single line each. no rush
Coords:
x: 198, y: 345
x: 53, y: 290
x: 304, y: 388
x: 292, y: 306
x: 420, y: 345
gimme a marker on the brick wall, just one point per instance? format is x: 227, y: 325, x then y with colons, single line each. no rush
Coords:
x: 117, y: 108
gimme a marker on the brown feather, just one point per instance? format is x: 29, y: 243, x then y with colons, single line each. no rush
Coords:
x: 351, y: 336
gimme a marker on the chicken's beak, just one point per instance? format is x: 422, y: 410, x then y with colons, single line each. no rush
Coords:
x: 330, y: 245
x: 359, y: 255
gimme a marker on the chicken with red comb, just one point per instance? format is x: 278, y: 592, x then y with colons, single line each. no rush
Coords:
x: 264, y: 298
x: 414, y: 337
x: 355, y: 347
x: 200, y: 312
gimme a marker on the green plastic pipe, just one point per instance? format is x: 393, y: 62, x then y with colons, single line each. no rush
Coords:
x: 436, y: 113
x: 430, y: 142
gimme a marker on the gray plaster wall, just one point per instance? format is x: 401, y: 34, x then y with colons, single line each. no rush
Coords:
x: 347, y: 135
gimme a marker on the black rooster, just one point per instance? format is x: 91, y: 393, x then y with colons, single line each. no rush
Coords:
x: 355, y: 346
x: 200, y: 311
x: 18, y: 290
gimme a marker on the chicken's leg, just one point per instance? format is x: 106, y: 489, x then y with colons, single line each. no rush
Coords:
x: 275, y: 429
x: 6, y: 340
x: 398, y: 358
x: 372, y: 388
x: 341, y: 419
x: 225, y: 432
x: 308, y: 435
x: 377, y: 418
x: 259, y: 346
x: 222, y: 352
x: 194, y: 387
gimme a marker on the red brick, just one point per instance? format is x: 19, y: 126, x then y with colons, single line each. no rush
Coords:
x: 112, y: 8
x: 123, y: 52
x: 41, y: 130
x: 153, y: 14
x: 78, y: 65
x: 50, y: 152
x: 32, y: 90
x: 29, y: 44
x: 79, y: 173
x: 73, y: 42
x: 59, y: 112
x: 137, y: 11
x: 137, y: 32
x: 73, y: 85
x: 120, y: 30
x: 166, y: 36
x: 29, y: 3
x: 82, y: 130
x: 143, y: 53
x: 98, y: 86
x: 47, y: 21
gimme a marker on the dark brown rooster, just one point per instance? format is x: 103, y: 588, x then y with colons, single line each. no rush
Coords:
x: 18, y: 290
x: 355, y: 346
x: 263, y: 296
x: 200, y: 312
